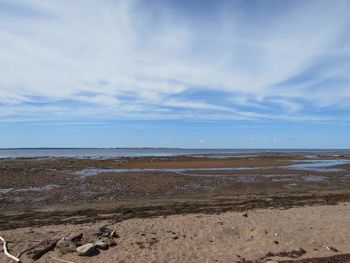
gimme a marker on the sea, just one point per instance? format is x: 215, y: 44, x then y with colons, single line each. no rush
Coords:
x: 144, y: 152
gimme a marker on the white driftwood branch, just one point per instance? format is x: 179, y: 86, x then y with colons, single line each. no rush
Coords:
x: 6, y: 251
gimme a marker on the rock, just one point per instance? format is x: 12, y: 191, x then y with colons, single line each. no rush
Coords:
x: 105, y: 231
x: 101, y: 245
x: 66, y: 246
x: 333, y: 249
x: 109, y: 241
x: 114, y: 234
x: 75, y: 237
x: 86, y: 250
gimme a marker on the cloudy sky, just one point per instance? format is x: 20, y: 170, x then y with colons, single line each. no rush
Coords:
x: 175, y: 73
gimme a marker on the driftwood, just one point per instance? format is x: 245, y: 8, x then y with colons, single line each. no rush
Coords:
x: 49, y: 246
x: 6, y: 251
x: 29, y: 249
x: 62, y: 260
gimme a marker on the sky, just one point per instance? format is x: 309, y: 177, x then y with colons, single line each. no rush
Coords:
x: 175, y: 73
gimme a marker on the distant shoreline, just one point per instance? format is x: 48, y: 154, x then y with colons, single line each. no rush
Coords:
x: 149, y: 152
x: 179, y: 148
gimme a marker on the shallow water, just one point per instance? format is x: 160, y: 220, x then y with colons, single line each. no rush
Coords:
x: 139, y: 152
x: 319, y: 165
x: 277, y: 175
x: 307, y: 165
x: 95, y: 171
x: 29, y: 189
x: 314, y: 178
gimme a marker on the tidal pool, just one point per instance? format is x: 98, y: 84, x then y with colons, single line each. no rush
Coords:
x: 305, y: 165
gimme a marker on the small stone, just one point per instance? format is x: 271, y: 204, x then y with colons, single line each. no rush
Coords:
x: 333, y: 249
x: 101, y: 245
x: 114, y: 234
x: 109, y: 241
x: 86, y: 250
x: 66, y: 246
x: 105, y: 231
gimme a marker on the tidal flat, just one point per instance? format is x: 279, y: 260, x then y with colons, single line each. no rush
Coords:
x: 39, y: 194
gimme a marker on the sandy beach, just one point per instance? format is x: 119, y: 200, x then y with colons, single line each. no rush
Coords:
x: 281, y: 207
x: 255, y: 236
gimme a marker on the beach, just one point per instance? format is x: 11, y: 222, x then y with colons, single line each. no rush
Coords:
x: 287, y: 207
x: 174, y: 131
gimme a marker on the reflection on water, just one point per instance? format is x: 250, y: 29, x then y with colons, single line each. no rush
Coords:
x: 319, y: 165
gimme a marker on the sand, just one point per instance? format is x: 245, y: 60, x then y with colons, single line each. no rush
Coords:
x: 251, y: 215
x: 224, y: 237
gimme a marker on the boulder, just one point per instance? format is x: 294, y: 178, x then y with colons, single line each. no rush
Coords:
x: 66, y: 246
x: 86, y: 250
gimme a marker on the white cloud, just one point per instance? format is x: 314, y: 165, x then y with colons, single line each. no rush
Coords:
x: 119, y: 48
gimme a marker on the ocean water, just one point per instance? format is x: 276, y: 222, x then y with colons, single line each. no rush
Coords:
x: 139, y: 152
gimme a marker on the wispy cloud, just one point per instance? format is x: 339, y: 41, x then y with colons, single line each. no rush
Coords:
x: 140, y: 59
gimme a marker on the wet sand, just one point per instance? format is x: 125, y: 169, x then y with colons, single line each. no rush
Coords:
x: 47, y: 197
x: 30, y: 183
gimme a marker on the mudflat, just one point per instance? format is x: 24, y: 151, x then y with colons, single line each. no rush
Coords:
x: 181, y: 209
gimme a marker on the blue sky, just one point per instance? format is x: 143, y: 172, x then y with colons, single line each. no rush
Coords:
x: 228, y: 74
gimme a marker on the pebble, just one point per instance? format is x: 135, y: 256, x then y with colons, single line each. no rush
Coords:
x: 101, y: 245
